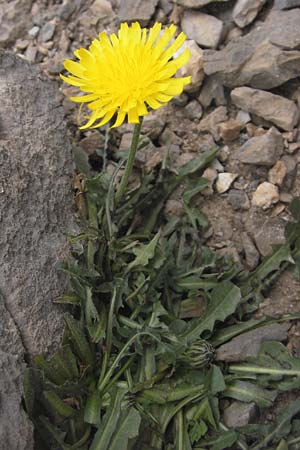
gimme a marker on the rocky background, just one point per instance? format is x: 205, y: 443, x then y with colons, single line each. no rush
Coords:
x: 244, y: 98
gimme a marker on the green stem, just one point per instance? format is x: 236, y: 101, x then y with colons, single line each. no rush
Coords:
x: 102, y: 384
x: 108, y: 341
x: 130, y: 161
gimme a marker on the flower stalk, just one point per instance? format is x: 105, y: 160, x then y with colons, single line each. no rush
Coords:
x: 130, y: 161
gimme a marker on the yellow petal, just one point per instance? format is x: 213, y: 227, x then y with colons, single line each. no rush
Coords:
x: 120, y: 119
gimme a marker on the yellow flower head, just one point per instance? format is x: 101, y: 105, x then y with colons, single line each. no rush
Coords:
x: 128, y: 73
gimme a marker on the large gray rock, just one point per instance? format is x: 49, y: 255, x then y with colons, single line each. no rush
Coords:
x: 203, y: 28
x: 247, y: 345
x: 35, y: 212
x: 264, y: 58
x: 16, y: 431
x: 263, y: 150
x: 286, y: 4
x: 245, y: 11
x: 275, y: 109
x: 137, y: 10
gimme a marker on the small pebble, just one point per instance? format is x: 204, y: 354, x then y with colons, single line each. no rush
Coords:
x: 265, y: 195
x: 224, y: 181
x: 47, y: 31
x: 34, y: 31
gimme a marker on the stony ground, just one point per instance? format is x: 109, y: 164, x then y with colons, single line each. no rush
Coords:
x: 244, y: 98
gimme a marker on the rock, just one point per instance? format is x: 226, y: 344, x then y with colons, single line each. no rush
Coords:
x: 211, y: 90
x: 125, y: 142
x: 36, y: 205
x: 34, y: 31
x: 277, y: 174
x: 16, y: 430
x: 264, y: 58
x: 230, y: 130
x: 194, y: 110
x: 101, y: 9
x: 211, y: 175
x: 47, y: 31
x: 245, y: 11
x: 251, y: 254
x: 176, y: 14
x: 233, y: 34
x: 196, y: 3
x: 293, y: 147
x: 243, y: 117
x: 206, y: 30
x: 238, y: 199
x: 291, y: 165
x: 183, y: 159
x: 166, y: 6
x: 248, y: 344
x: 239, y: 414
x: 285, y: 197
x: 224, y: 181
x: 174, y: 208
x: 277, y: 210
x: 68, y: 8
x: 153, y: 126
x: 211, y: 121
x: 168, y: 137
x: 137, y: 10
x: 36, y: 201
x: 265, y: 195
x: 21, y: 44
x: 265, y: 232
x: 273, y: 108
x: 262, y: 150
x: 15, y: 19
x: 286, y: 4
x: 194, y: 66
x: 180, y: 100
x: 30, y: 53
x: 92, y: 142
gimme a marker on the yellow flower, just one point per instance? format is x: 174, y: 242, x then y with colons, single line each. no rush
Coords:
x: 128, y: 73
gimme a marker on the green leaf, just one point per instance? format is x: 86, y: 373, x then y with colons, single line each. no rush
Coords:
x: 196, y: 217
x: 198, y: 163
x: 80, y: 341
x: 270, y: 264
x: 49, y: 371
x: 28, y: 390
x: 193, y: 282
x: 224, y: 301
x: 273, y: 362
x: 143, y: 253
x: 294, y: 207
x: 193, y: 188
x: 51, y: 434
x: 282, y: 427
x: 223, y: 441
x: 127, y: 428
x: 216, y: 379
x: 249, y: 392
x: 59, y: 405
x: 68, y: 299
x: 197, y: 431
x: 109, y: 425
x: 92, y: 411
